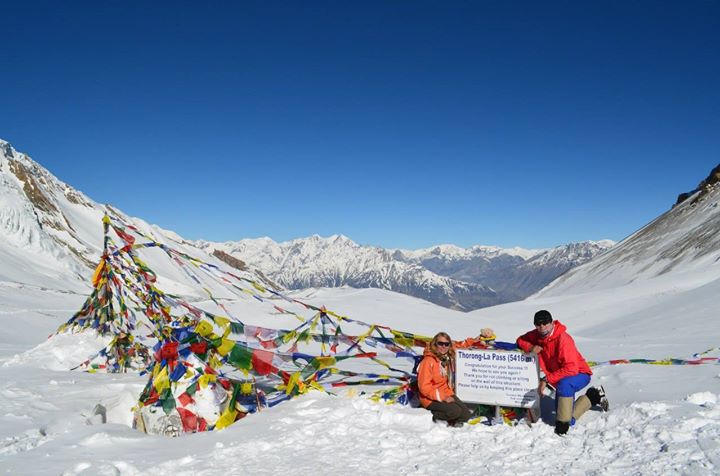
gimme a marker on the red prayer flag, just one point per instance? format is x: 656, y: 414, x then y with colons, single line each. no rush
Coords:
x: 185, y: 399
x: 129, y: 239
x: 152, y: 398
x: 189, y: 420
x: 198, y: 347
x: 169, y: 351
x: 202, y: 424
x: 262, y: 362
x: 268, y: 344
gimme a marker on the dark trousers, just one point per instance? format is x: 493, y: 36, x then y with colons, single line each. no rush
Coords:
x: 450, y: 411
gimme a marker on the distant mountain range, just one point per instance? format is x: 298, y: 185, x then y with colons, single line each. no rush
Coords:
x: 447, y: 275
x: 49, y: 228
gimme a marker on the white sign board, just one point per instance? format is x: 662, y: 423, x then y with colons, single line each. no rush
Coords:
x: 507, y: 378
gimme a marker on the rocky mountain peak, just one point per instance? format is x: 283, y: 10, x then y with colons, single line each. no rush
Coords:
x: 6, y: 149
x: 704, y: 187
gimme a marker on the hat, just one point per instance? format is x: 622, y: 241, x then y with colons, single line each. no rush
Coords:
x: 542, y: 317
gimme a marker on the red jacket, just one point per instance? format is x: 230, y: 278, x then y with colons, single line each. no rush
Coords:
x: 559, y: 357
x: 432, y: 380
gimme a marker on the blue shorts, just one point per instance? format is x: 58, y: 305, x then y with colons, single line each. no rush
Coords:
x: 567, y: 386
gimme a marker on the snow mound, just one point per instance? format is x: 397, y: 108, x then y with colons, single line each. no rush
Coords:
x: 62, y: 351
x: 702, y: 398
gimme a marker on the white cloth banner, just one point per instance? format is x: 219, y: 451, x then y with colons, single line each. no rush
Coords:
x: 508, y: 378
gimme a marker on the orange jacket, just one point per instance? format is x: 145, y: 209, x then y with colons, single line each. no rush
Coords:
x: 432, y: 380
x: 559, y: 357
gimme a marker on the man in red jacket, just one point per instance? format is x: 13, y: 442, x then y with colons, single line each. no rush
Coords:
x: 564, y: 368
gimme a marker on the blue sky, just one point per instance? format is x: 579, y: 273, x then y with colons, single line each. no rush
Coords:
x: 398, y: 124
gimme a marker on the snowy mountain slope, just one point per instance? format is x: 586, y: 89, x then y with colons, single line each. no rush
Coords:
x: 51, y: 235
x: 37, y: 237
x: 684, y: 239
x: 448, y: 275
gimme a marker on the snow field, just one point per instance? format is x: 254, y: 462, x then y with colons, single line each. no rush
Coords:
x: 663, y: 419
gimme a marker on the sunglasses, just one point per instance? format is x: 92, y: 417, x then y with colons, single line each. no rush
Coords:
x: 442, y: 344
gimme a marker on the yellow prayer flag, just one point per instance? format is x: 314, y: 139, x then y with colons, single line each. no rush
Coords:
x: 139, y: 262
x: 214, y: 362
x: 204, y: 328
x: 325, y: 362
x: 289, y: 336
x: 366, y: 334
x: 381, y: 362
x: 315, y: 385
x: 162, y: 381
x: 225, y: 347
x: 222, y: 321
x: 97, y: 273
x: 226, y: 419
x: 293, y: 382
x: 402, y: 339
x: 205, y: 380
x: 660, y: 362
x: 337, y: 316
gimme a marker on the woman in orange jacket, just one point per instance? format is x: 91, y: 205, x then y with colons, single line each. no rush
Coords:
x: 436, y: 382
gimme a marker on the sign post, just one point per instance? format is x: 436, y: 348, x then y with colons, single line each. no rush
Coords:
x: 506, y: 378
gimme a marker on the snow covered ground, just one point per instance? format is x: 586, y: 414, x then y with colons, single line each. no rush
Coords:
x: 663, y: 419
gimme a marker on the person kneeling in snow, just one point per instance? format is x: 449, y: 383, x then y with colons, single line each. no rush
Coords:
x: 436, y: 382
x: 565, y: 369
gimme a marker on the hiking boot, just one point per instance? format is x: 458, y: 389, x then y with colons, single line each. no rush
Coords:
x: 562, y: 427
x: 598, y: 397
x: 604, y: 404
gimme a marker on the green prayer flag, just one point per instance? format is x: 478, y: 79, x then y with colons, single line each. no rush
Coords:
x: 168, y: 401
x: 240, y: 357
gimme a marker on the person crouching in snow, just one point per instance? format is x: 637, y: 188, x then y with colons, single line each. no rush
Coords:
x: 436, y: 382
x: 565, y: 369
